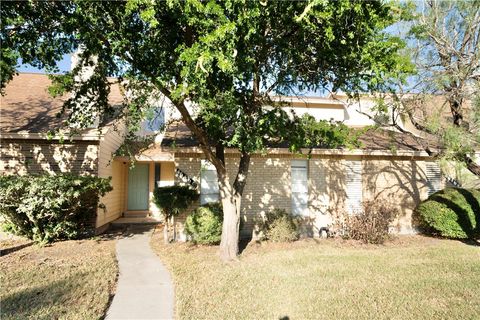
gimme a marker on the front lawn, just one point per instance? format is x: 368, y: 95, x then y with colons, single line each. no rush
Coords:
x: 67, y: 280
x: 411, y: 278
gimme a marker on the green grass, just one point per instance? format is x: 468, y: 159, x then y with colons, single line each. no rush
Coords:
x: 67, y: 280
x: 411, y: 278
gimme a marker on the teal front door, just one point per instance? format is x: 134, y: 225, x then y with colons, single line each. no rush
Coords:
x: 138, y: 187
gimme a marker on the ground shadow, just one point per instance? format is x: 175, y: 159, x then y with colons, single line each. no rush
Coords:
x: 244, y: 242
x: 28, y: 302
x: 471, y: 242
x: 6, y: 251
x: 127, y: 230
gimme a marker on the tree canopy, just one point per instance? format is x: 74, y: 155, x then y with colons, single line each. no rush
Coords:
x: 442, y: 98
x: 226, y: 58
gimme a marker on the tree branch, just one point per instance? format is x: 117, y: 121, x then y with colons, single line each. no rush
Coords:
x: 241, y: 178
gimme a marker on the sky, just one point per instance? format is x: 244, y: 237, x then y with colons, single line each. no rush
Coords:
x: 64, y: 65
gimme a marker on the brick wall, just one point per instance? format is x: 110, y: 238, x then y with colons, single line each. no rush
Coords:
x: 42, y: 156
x: 400, y: 182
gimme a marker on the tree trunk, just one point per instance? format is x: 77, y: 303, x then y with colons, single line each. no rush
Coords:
x: 231, y: 196
x: 165, y: 231
x: 457, y: 112
x: 230, y: 228
x: 174, y: 229
x: 473, y: 167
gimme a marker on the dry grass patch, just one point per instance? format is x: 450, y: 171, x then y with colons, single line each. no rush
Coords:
x: 410, y: 278
x: 66, y: 280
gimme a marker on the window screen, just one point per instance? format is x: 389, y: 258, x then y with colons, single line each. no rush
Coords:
x: 208, y: 183
x: 434, y: 177
x: 353, y: 184
x: 299, y: 172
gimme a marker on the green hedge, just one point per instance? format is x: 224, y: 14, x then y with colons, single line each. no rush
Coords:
x: 46, y: 208
x: 204, y: 224
x: 451, y: 213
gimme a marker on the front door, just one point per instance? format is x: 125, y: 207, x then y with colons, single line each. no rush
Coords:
x: 138, y: 188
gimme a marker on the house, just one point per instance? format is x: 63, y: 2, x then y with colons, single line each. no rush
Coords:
x: 27, y: 115
x: 391, y: 167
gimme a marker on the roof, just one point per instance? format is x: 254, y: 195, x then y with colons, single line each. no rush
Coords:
x: 178, y: 135
x: 28, y: 107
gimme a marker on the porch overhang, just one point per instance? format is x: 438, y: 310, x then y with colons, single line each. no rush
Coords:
x: 154, y: 157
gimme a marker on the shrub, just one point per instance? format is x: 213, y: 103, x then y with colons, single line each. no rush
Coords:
x: 46, y: 208
x: 371, y: 224
x: 280, y: 226
x: 204, y: 225
x: 451, y: 213
x: 172, y: 201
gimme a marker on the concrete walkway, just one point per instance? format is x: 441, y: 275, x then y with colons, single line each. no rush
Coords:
x: 144, y: 289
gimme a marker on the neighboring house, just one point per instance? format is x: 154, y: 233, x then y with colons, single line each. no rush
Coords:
x: 390, y: 167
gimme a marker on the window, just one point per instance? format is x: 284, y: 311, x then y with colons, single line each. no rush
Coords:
x: 299, y: 187
x: 434, y: 177
x: 353, y: 183
x: 155, y: 119
x: 157, y: 174
x: 208, y: 183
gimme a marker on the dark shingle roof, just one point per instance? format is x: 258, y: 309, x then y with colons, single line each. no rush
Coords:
x: 27, y: 105
x: 178, y: 135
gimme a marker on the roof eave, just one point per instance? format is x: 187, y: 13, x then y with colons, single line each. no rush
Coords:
x: 316, y: 151
x: 88, y: 135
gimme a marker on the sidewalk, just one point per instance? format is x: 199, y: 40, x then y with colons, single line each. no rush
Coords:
x: 144, y: 289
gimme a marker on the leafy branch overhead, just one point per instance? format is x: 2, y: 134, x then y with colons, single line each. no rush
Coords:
x: 218, y: 62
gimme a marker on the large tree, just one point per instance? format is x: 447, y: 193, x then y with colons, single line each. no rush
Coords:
x: 442, y: 99
x: 225, y: 58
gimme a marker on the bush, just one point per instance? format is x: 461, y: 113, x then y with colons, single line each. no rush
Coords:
x: 204, y: 225
x: 451, y: 213
x: 280, y: 226
x: 172, y: 201
x: 47, y: 208
x: 370, y: 225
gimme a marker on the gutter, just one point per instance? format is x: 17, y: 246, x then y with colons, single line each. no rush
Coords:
x: 89, y: 135
x: 340, y: 152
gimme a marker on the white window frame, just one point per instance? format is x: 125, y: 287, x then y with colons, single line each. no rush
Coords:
x: 299, y: 187
x: 353, y: 186
x: 209, y: 191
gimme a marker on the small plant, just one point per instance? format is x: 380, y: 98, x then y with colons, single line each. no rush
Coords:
x: 280, y: 226
x: 371, y: 225
x: 451, y: 213
x: 172, y: 201
x: 46, y: 208
x: 204, y: 224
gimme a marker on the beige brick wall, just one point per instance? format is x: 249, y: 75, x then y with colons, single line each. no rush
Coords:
x: 18, y: 156
x: 400, y: 182
x: 107, y: 167
x: 42, y: 156
x: 190, y: 165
